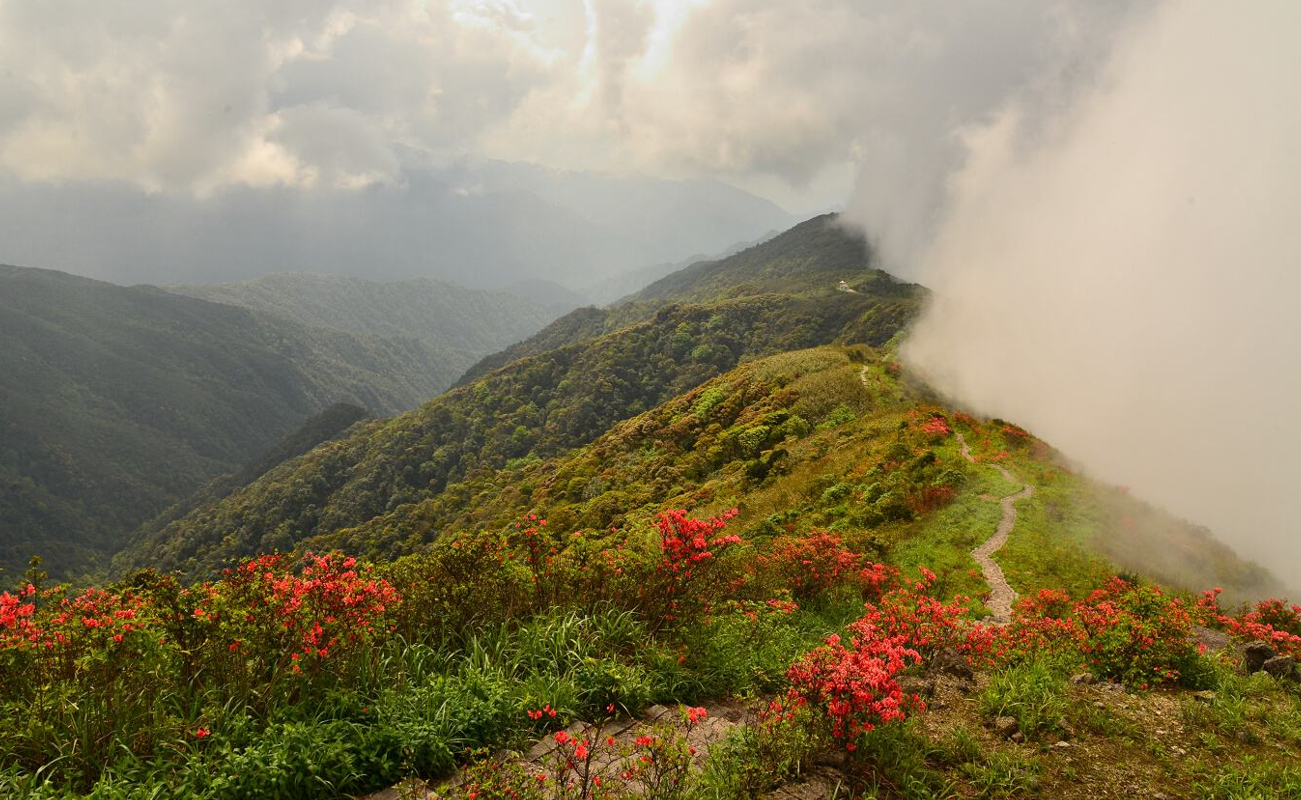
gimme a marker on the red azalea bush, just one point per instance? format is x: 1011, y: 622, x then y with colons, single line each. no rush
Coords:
x: 912, y: 614
x: 17, y: 630
x: 936, y: 426
x: 279, y: 615
x: 852, y: 688
x: 263, y: 618
x: 1123, y: 631
x: 849, y: 689
x: 690, y: 575
x: 1274, y: 621
x: 810, y: 565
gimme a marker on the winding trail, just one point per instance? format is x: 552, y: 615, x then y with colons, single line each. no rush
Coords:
x: 1001, y: 593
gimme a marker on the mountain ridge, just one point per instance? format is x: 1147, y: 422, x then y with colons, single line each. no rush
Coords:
x: 117, y: 401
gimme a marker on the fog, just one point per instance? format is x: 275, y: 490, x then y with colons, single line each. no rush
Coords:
x: 1120, y: 273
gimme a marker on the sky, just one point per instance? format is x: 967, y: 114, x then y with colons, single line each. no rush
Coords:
x: 1101, y: 193
x: 789, y: 100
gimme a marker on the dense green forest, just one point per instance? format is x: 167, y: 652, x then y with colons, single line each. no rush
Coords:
x: 462, y: 324
x: 116, y: 402
x: 809, y: 260
x: 549, y: 402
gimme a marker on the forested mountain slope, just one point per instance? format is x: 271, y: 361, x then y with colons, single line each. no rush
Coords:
x: 809, y: 260
x: 538, y: 406
x: 115, y: 402
x: 838, y: 439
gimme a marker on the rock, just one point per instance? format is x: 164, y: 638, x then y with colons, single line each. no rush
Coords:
x: 915, y: 684
x: 1204, y: 696
x: 1084, y: 679
x: 1212, y: 640
x: 1062, y: 745
x: 831, y: 758
x: 1017, y: 737
x: 1281, y: 668
x: 655, y: 712
x: 1005, y: 726
x: 951, y: 662
x: 1108, y: 686
x: 733, y: 713
x: 1255, y: 654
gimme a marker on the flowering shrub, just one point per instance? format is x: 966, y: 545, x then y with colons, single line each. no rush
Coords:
x: 124, y: 653
x: 937, y: 426
x: 1272, y: 620
x: 911, y: 614
x: 1123, y: 631
x: 279, y: 617
x: 850, y: 689
x: 689, y: 576
x: 812, y: 564
x: 16, y: 627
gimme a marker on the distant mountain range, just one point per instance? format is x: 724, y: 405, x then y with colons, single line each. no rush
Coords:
x: 116, y: 402
x: 761, y: 380
x: 443, y: 315
x: 172, y: 432
x: 483, y: 224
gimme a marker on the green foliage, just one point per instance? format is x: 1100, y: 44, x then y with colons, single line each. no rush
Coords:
x: 563, y: 399
x: 755, y: 759
x: 838, y: 416
x: 1252, y: 779
x: 1033, y: 692
x: 117, y: 402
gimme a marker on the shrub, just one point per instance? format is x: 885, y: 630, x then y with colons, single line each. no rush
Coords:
x: 690, y: 575
x: 849, y: 689
x: 1272, y: 620
x: 1123, y: 631
x: 810, y: 565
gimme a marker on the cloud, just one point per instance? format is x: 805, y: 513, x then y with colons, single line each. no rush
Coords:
x: 186, y: 96
x: 1121, y: 275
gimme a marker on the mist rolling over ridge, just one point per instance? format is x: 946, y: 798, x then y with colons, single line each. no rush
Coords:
x: 1121, y: 275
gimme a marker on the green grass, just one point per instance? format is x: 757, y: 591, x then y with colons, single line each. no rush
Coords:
x: 945, y: 539
x: 1048, y: 546
x: 1034, y: 693
x: 1250, y: 779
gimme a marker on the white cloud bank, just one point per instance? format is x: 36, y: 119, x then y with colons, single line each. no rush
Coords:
x: 186, y: 96
x: 1124, y: 277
